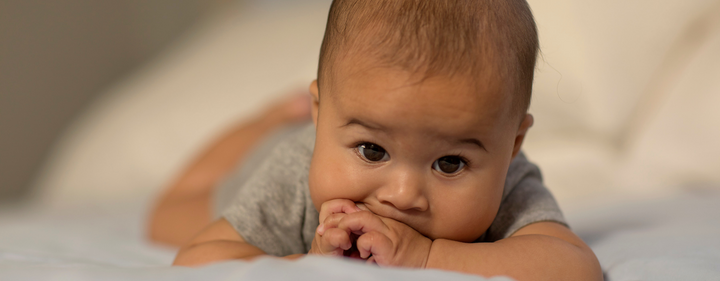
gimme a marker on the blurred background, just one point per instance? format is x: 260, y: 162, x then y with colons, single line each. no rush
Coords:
x: 58, y: 56
x: 107, y: 101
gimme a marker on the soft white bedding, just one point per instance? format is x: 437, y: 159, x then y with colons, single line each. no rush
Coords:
x: 670, y: 239
x: 674, y: 238
x: 108, y: 243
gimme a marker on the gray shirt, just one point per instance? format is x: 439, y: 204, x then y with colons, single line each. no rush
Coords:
x: 267, y: 200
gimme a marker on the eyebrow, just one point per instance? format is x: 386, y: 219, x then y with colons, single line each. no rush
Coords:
x: 355, y: 121
x: 475, y: 142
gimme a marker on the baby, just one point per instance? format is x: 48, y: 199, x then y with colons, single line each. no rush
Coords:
x: 413, y: 159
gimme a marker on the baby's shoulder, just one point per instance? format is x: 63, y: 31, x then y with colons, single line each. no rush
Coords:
x: 520, y: 169
x: 293, y: 144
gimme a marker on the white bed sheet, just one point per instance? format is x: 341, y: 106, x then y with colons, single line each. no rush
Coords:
x: 669, y: 239
x: 108, y: 243
x: 674, y: 238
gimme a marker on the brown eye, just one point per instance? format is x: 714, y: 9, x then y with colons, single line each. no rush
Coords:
x: 372, y: 152
x: 449, y: 164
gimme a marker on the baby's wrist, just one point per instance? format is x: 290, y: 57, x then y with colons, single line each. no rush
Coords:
x: 435, y: 250
x: 427, y: 257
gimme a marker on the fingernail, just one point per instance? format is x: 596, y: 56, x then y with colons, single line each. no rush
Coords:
x: 321, y: 229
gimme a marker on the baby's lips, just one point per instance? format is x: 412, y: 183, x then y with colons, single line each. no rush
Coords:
x: 362, y: 206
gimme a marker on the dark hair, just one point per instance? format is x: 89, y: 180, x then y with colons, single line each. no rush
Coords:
x: 494, y: 41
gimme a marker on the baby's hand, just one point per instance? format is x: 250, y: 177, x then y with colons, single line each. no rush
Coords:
x: 330, y: 240
x: 386, y: 241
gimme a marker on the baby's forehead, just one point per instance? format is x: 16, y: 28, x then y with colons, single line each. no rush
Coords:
x: 362, y: 75
x: 395, y: 94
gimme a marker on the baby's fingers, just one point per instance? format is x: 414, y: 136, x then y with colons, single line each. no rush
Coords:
x: 330, y: 221
x: 337, y: 206
x: 362, y: 222
x: 337, y: 239
x: 377, y: 244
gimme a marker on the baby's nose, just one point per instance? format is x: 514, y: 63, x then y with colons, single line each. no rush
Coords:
x: 405, y: 193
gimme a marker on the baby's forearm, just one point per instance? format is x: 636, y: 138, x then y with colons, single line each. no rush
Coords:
x: 220, y: 250
x: 527, y: 257
x: 216, y: 250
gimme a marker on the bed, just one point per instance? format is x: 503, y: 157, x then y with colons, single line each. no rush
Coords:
x: 669, y: 239
x: 626, y: 135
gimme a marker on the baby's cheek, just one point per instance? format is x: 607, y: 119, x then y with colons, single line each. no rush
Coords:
x: 329, y: 180
x: 464, y: 228
x: 318, y: 190
x: 465, y: 220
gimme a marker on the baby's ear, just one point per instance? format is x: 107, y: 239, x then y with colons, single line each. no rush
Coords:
x: 525, y: 125
x: 315, y: 101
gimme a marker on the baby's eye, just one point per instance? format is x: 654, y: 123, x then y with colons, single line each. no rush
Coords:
x: 449, y: 164
x: 372, y: 152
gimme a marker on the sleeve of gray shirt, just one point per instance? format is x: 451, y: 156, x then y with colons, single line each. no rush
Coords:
x: 525, y: 200
x: 273, y: 210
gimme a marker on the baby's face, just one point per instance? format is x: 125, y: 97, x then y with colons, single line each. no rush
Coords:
x: 433, y: 155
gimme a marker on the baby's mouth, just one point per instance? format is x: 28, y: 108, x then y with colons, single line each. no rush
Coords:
x: 362, y: 206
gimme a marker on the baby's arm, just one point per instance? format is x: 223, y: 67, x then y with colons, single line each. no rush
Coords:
x: 220, y: 240
x: 539, y: 251
x: 217, y: 242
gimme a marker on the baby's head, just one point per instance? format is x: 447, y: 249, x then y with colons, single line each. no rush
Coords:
x: 420, y: 107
